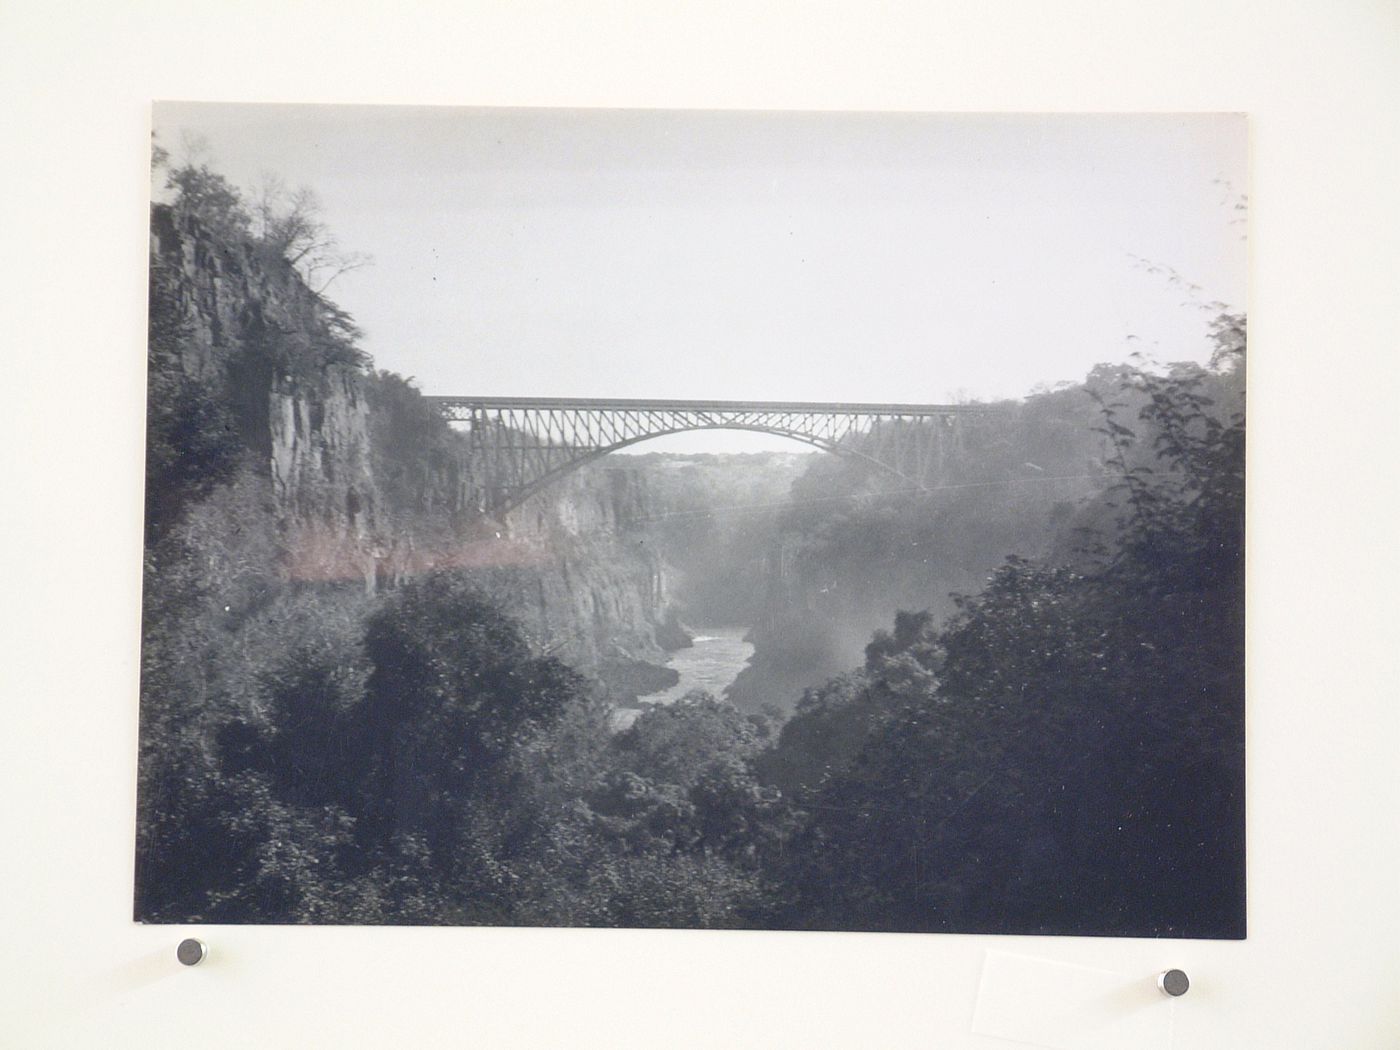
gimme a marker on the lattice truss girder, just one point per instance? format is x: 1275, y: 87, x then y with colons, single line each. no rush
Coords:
x: 516, y: 446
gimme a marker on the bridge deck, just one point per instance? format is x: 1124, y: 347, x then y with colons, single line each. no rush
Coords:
x: 625, y: 404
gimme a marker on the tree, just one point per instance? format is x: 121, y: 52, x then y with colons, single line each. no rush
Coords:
x: 288, y: 224
x: 682, y: 813
x: 212, y: 199
x: 160, y: 156
x: 454, y: 698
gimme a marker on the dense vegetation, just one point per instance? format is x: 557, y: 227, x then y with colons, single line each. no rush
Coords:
x: 1062, y: 753
x: 1065, y: 754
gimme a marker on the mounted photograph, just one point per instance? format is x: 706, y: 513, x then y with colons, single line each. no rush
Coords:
x: 695, y: 519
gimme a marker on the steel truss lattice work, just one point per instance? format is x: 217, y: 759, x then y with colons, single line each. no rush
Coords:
x: 518, y: 445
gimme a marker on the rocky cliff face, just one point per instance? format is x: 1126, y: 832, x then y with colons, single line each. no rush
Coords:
x: 592, y: 584
x: 249, y: 323
x: 368, y: 485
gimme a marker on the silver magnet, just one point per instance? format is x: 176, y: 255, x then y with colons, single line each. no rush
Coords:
x: 191, y: 951
x: 1173, y: 982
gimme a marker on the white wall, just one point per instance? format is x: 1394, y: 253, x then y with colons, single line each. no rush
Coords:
x: 1321, y: 967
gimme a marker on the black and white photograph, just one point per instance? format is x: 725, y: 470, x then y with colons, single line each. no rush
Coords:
x: 702, y: 519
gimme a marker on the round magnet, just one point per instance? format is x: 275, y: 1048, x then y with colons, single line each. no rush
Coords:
x: 1173, y: 982
x: 191, y: 951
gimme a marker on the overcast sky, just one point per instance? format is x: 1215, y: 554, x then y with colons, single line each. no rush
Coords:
x: 829, y: 257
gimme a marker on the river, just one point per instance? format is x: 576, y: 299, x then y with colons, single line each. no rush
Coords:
x: 711, y: 663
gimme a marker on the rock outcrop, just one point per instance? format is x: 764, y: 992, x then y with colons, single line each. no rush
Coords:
x: 368, y: 485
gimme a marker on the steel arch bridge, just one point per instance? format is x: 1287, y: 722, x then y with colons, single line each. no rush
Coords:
x: 518, y: 445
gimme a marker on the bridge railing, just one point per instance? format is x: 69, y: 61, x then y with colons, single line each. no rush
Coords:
x: 623, y: 404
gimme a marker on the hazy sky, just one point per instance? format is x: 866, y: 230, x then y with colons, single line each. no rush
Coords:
x: 871, y: 257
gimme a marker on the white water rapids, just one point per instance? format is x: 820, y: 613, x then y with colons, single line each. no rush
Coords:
x: 711, y: 663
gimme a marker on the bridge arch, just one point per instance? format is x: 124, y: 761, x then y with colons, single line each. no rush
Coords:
x: 518, y: 446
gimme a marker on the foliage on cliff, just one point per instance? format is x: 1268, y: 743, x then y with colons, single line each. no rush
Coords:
x: 417, y: 762
x: 1066, y: 753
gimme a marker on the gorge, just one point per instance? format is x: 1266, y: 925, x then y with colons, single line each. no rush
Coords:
x: 364, y: 481
x: 367, y: 698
